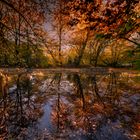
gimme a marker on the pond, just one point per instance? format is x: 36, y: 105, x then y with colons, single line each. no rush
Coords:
x: 69, y: 104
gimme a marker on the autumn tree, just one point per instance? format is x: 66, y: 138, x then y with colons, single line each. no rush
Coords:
x: 108, y: 19
x: 115, y: 53
x: 105, y: 17
x: 23, y: 22
x: 97, y: 47
x: 56, y: 27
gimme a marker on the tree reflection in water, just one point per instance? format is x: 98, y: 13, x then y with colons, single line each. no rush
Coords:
x: 19, y: 110
x: 81, y: 106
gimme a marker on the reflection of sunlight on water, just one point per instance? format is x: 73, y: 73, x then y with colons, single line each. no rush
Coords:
x: 38, y: 73
x: 130, y: 74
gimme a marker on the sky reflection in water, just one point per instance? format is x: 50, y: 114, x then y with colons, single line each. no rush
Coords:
x: 71, y: 106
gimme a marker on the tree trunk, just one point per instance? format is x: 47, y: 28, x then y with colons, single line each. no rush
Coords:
x: 81, y: 52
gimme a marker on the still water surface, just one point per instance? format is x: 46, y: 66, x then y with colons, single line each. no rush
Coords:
x: 88, y: 105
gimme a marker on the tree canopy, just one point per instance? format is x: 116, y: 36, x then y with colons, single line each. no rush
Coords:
x: 56, y: 25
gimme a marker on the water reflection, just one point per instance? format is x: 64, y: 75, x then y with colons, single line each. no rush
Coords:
x: 70, y: 106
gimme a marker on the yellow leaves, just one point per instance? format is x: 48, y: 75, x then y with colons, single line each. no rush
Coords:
x: 3, y: 79
x: 137, y: 9
x: 138, y: 22
x: 98, y: 107
x: 81, y: 26
x: 120, y: 21
x: 106, y: 29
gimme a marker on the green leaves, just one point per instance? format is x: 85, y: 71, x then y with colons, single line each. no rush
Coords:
x: 99, y: 36
x: 128, y: 26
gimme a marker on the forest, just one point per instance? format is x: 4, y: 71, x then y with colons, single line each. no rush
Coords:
x: 69, y: 69
x: 44, y: 33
